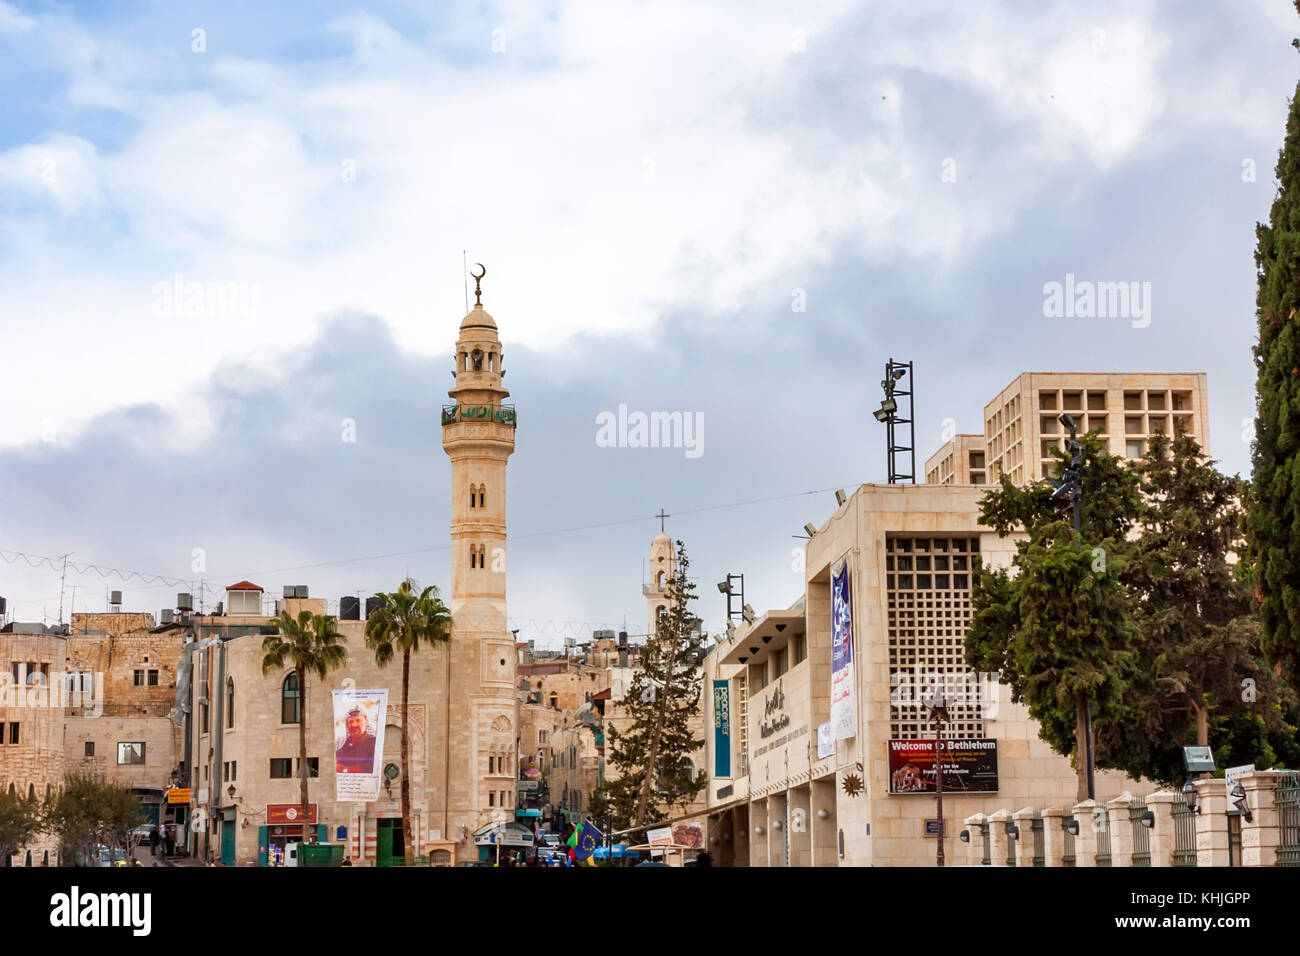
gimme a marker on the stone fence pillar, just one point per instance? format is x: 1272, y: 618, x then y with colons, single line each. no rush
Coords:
x: 998, y: 836
x: 1163, y: 836
x: 975, y: 825
x: 1024, y: 822
x: 1121, y: 830
x: 1262, y: 835
x: 1211, y: 822
x: 1053, y: 836
x: 1085, y: 841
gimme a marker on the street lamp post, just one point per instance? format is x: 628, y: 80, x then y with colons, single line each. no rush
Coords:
x: 938, y: 714
x: 1072, y: 487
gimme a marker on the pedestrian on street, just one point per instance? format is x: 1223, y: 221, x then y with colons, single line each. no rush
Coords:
x: 155, y: 838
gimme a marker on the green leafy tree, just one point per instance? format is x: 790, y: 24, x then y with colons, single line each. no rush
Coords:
x: 1274, y: 530
x: 1202, y: 670
x: 20, y: 820
x: 402, y: 623
x: 1061, y: 630
x: 309, y: 643
x: 89, y: 811
x: 652, y: 754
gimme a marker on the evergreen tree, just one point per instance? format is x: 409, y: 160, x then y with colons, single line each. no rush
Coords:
x: 1202, y: 670
x: 652, y: 754
x: 1061, y: 629
x: 1274, y: 530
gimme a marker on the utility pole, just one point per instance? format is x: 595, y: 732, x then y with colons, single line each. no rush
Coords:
x: 1072, y: 486
x: 938, y: 714
x: 62, y: 577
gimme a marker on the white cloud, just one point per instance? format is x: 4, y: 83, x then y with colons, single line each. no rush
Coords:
x: 607, y: 165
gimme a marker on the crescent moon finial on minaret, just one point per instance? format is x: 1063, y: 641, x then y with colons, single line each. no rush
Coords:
x: 478, y: 292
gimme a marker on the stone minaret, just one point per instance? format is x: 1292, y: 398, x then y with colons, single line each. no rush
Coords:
x: 478, y: 433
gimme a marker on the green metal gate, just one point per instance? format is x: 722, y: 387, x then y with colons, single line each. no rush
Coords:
x: 1184, y: 831
x: 1141, y: 840
x: 1101, y: 823
x: 1067, y: 844
x: 1288, y: 811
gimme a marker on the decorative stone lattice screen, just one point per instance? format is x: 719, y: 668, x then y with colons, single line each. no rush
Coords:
x: 928, y: 584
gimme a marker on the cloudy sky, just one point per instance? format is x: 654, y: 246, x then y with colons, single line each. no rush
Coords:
x: 738, y: 211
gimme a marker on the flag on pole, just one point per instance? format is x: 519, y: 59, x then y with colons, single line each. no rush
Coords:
x: 588, y: 839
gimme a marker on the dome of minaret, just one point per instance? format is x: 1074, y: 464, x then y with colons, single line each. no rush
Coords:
x: 478, y: 319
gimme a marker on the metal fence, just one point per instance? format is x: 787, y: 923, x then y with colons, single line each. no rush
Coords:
x: 1036, y: 825
x: 1141, y: 839
x: 1184, y: 831
x: 1101, y: 823
x: 988, y: 844
x: 1012, y: 839
x: 1067, y: 845
x: 1288, y: 810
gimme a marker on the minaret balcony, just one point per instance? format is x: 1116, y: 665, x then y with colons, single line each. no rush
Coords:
x: 501, y: 414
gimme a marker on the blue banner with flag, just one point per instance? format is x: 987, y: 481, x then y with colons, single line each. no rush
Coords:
x: 588, y: 839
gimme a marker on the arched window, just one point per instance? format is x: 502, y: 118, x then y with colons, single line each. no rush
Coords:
x: 473, y: 496
x: 290, y: 701
x: 482, y: 496
x: 230, y: 702
x: 659, y: 581
x: 491, y: 764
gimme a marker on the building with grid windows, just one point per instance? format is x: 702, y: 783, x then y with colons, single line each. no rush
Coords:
x: 785, y: 788
x: 1022, y: 423
x: 959, y: 461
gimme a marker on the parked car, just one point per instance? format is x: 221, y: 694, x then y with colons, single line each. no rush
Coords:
x: 101, y: 855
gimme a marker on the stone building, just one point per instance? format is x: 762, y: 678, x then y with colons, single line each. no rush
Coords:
x: 463, y: 720
x: 796, y: 783
x: 31, y: 724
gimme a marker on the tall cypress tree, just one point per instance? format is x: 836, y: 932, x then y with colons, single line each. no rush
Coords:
x: 652, y: 753
x: 1274, y: 527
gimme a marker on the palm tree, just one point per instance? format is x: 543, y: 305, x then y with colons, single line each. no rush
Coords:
x: 402, y: 622
x: 310, y: 642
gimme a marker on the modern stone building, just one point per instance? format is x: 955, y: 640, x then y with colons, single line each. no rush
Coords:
x: 1022, y: 423
x: 797, y: 798
x: 788, y: 789
x: 959, y: 461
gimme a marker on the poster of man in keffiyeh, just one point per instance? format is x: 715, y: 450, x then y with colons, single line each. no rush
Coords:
x: 844, y: 716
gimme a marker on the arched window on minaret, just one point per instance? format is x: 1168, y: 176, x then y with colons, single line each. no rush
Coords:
x: 476, y: 357
x: 482, y: 496
x: 473, y: 496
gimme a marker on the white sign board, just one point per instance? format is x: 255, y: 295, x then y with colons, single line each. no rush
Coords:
x: 825, y: 740
x: 1231, y: 775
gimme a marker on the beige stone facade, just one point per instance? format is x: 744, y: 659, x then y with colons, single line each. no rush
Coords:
x: 1021, y: 424
x: 959, y: 461
x: 909, y: 550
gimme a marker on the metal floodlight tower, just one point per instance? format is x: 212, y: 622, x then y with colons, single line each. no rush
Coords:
x: 734, y: 589
x: 897, y: 384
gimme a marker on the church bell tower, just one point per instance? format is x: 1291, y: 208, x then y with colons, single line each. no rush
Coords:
x: 478, y: 434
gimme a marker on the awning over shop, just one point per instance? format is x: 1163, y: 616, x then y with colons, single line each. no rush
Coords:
x: 618, y: 850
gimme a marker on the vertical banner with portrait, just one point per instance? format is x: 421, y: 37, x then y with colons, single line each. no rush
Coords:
x: 844, y: 716
x: 358, y: 743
